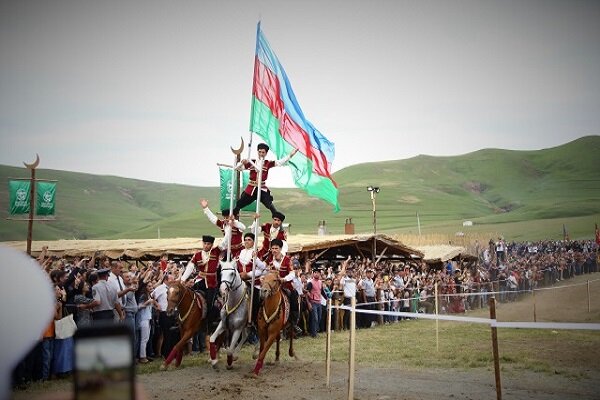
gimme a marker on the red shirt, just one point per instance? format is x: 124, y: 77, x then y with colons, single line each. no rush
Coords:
x: 237, y: 243
x: 208, y: 266
x: 266, y: 230
x: 267, y: 165
x: 285, y: 267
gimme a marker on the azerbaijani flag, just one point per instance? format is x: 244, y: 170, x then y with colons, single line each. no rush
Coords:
x: 277, y: 118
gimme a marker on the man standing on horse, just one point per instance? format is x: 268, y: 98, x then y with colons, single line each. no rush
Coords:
x: 237, y: 227
x: 273, y: 230
x: 251, y: 193
x: 279, y: 262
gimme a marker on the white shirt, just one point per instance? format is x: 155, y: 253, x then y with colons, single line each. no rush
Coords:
x: 160, y: 295
x: 349, y: 285
x: 113, y: 281
x: 259, y: 270
x: 296, y: 282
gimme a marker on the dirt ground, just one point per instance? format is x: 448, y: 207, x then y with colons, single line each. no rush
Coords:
x: 305, y: 380
x: 301, y: 380
x: 298, y: 380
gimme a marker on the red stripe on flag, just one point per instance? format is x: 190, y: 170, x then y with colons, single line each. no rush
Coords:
x: 266, y: 88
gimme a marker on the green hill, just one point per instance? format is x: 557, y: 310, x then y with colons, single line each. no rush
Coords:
x: 521, y: 194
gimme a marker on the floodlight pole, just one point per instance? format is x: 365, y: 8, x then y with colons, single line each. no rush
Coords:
x: 373, y: 191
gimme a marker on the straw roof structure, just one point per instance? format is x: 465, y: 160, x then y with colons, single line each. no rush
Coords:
x: 329, y: 246
x: 443, y: 253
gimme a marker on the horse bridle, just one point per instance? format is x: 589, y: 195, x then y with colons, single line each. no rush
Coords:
x: 231, y: 289
x: 271, y: 285
x: 230, y: 284
x: 191, y: 303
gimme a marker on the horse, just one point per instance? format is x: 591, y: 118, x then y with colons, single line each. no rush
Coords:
x: 272, y: 318
x: 192, y: 306
x: 234, y: 314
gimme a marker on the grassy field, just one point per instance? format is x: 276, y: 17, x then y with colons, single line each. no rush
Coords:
x: 522, y: 195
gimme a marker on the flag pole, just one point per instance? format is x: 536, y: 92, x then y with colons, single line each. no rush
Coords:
x: 258, y: 167
x: 259, y: 172
x: 232, y: 194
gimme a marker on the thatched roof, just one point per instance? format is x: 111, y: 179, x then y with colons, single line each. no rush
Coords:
x: 442, y: 253
x: 330, y: 245
x: 345, y: 245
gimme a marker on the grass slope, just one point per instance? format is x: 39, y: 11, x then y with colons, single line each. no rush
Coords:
x: 522, y: 194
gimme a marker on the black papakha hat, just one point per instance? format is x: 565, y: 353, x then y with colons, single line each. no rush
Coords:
x: 208, y: 239
x: 277, y: 242
x: 262, y: 146
x: 249, y: 235
x: 278, y: 215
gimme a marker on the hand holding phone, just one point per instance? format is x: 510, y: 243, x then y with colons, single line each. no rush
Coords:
x: 104, y: 363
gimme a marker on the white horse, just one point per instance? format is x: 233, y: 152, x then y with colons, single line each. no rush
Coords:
x: 234, y: 314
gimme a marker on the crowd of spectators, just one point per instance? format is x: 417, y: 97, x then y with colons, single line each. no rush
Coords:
x: 140, y: 288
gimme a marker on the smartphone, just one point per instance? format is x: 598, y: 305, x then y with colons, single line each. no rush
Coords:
x: 104, y: 363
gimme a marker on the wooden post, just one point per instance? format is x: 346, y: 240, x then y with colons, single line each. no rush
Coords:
x: 379, y: 306
x: 352, y: 349
x: 495, y: 349
x: 588, y: 294
x: 328, y: 344
x: 534, y: 308
x: 437, y: 321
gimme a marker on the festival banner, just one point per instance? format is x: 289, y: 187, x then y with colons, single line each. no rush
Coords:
x: 19, y: 197
x: 278, y: 119
x: 45, y: 198
x: 226, y: 181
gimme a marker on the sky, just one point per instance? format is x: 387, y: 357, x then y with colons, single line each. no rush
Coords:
x: 159, y: 90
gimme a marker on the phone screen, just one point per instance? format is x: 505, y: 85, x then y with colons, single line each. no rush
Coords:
x: 104, y: 366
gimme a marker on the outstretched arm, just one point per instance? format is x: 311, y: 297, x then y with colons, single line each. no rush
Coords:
x: 285, y: 159
x: 209, y: 214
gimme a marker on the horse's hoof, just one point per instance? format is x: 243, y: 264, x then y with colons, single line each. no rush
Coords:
x: 254, y: 356
x: 163, y: 367
x: 229, y: 367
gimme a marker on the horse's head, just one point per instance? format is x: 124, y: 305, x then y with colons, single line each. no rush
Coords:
x: 270, y: 284
x: 229, y: 277
x: 175, y: 292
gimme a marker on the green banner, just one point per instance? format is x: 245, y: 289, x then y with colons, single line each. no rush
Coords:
x: 45, y: 198
x: 19, y: 200
x: 225, y: 175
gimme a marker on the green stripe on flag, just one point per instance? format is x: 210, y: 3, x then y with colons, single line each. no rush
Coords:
x: 265, y: 125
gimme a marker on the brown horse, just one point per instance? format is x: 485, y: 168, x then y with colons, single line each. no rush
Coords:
x: 192, y: 311
x: 272, y: 318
